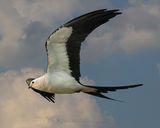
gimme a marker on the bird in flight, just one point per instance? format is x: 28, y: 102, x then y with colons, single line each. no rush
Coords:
x: 63, y: 53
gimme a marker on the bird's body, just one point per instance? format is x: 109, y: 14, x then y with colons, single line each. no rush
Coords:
x: 63, y: 51
x: 60, y: 82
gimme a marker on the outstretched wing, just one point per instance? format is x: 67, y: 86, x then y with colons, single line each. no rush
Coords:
x: 63, y: 45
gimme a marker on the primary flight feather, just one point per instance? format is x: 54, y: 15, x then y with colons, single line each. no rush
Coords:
x: 63, y: 52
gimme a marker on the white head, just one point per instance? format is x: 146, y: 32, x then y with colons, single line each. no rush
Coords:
x: 30, y: 82
x: 35, y: 83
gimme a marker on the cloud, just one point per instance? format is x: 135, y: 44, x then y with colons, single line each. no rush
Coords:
x: 26, y: 24
x: 98, y: 44
x: 11, y: 31
x: 23, y: 108
x: 44, y: 11
x: 135, y: 30
x: 141, y: 28
x: 85, y: 80
x: 17, y: 17
x: 135, y: 40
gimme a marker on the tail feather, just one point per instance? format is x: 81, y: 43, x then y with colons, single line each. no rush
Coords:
x: 102, y: 96
x: 106, y: 89
x: 97, y: 91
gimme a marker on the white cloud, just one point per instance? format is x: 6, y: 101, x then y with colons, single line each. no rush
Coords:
x: 86, y: 81
x: 141, y: 27
x: 135, y: 40
x: 98, y: 44
x: 44, y: 11
x: 135, y: 30
x: 11, y: 30
x: 16, y: 17
x: 20, y: 107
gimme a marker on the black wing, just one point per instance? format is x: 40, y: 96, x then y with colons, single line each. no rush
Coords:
x: 82, y: 26
x: 49, y: 96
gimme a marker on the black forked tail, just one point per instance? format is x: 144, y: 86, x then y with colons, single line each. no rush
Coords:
x: 97, y: 91
x: 98, y: 94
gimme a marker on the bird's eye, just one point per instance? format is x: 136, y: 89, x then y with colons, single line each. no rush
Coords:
x: 32, y: 82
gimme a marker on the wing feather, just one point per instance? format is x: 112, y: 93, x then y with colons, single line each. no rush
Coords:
x: 63, y: 46
x: 56, y: 49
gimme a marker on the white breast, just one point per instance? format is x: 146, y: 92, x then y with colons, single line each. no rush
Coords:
x: 61, y: 82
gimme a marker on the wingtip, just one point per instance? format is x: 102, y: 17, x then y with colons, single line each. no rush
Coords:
x: 139, y: 84
x: 116, y: 11
x: 136, y: 85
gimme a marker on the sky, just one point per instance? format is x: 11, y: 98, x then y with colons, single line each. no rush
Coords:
x: 123, y: 51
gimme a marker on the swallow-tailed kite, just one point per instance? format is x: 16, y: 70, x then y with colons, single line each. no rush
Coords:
x: 63, y: 51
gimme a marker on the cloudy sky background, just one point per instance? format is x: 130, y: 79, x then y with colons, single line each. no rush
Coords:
x: 124, y: 51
